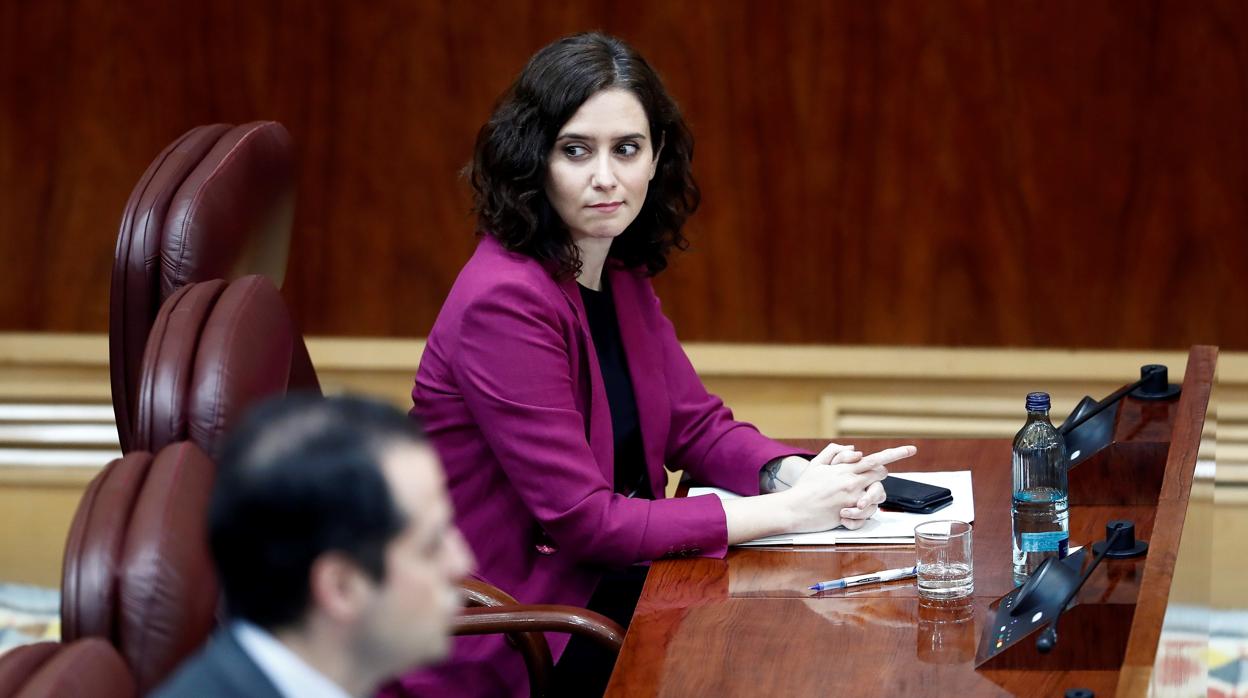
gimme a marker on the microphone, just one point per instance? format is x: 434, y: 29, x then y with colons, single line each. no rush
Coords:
x: 1119, y: 542
x: 1154, y: 384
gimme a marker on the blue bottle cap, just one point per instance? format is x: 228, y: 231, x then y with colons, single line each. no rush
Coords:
x: 1037, y: 402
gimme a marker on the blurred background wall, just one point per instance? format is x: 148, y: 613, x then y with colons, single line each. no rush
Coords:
x: 907, y: 172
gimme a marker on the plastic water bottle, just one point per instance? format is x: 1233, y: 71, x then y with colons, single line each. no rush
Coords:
x: 1040, y: 518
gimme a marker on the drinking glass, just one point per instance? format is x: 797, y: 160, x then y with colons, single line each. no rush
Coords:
x: 943, y: 559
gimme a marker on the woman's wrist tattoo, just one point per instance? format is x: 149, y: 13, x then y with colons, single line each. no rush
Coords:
x: 771, y: 475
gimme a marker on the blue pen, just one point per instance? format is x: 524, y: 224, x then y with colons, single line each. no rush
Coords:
x: 859, y: 580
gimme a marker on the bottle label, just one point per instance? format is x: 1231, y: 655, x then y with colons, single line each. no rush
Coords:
x: 1045, y: 542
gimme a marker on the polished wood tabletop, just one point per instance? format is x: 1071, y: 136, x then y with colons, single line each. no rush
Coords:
x: 747, y: 625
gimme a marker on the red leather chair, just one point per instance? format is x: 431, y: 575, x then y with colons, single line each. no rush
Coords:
x: 137, y: 578
x: 88, y: 667
x: 217, y: 203
x: 137, y: 571
x: 214, y: 350
x: 20, y: 663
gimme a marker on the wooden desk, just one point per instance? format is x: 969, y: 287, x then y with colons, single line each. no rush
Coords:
x: 748, y: 626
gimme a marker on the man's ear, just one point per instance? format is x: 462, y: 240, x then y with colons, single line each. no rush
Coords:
x: 337, y: 587
x: 654, y: 162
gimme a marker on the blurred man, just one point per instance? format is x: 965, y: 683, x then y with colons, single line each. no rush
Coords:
x: 332, y: 535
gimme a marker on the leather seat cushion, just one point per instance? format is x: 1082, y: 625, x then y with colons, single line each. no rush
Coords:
x: 215, y: 350
x: 93, y: 551
x: 88, y: 667
x: 233, y: 214
x: 168, y: 363
x: 167, y: 591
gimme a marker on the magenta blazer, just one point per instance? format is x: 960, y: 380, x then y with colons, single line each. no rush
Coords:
x: 512, y: 397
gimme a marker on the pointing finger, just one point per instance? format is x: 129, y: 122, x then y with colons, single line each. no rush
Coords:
x: 890, y: 455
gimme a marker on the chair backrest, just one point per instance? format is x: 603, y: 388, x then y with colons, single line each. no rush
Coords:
x: 217, y: 203
x: 137, y: 570
x: 20, y: 663
x: 215, y: 349
x: 88, y: 667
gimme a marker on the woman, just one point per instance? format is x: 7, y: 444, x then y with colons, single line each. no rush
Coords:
x: 553, y: 385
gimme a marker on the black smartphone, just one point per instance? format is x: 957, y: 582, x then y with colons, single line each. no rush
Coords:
x: 914, y: 497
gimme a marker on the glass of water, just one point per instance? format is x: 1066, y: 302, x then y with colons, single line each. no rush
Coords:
x: 943, y: 559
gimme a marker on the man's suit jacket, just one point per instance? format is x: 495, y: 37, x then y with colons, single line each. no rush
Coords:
x: 220, y: 669
x: 510, y: 391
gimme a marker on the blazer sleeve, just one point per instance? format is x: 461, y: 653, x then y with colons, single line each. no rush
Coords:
x: 514, y: 371
x: 705, y: 439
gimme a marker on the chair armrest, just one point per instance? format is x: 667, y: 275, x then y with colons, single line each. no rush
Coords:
x: 479, y: 593
x: 540, y: 618
x: 533, y: 647
x: 491, y: 610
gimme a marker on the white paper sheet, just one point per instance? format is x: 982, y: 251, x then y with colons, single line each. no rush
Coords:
x: 885, y: 526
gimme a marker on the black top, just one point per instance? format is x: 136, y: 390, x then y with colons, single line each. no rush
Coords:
x: 604, y: 327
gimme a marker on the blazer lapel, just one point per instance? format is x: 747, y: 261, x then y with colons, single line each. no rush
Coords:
x: 237, y: 668
x: 598, y: 427
x: 645, y: 368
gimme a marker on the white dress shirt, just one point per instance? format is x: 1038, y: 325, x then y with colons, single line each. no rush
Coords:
x: 293, y: 677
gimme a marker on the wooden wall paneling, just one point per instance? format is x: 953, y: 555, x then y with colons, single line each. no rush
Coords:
x: 967, y: 173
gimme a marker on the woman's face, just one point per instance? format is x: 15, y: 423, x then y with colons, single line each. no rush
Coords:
x: 601, y: 166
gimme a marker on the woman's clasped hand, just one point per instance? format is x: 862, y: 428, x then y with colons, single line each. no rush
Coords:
x: 842, y: 487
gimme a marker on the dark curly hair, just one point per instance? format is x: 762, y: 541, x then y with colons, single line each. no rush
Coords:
x: 508, y: 169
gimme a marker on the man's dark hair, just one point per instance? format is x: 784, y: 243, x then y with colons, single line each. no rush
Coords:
x: 300, y: 476
x: 508, y: 170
